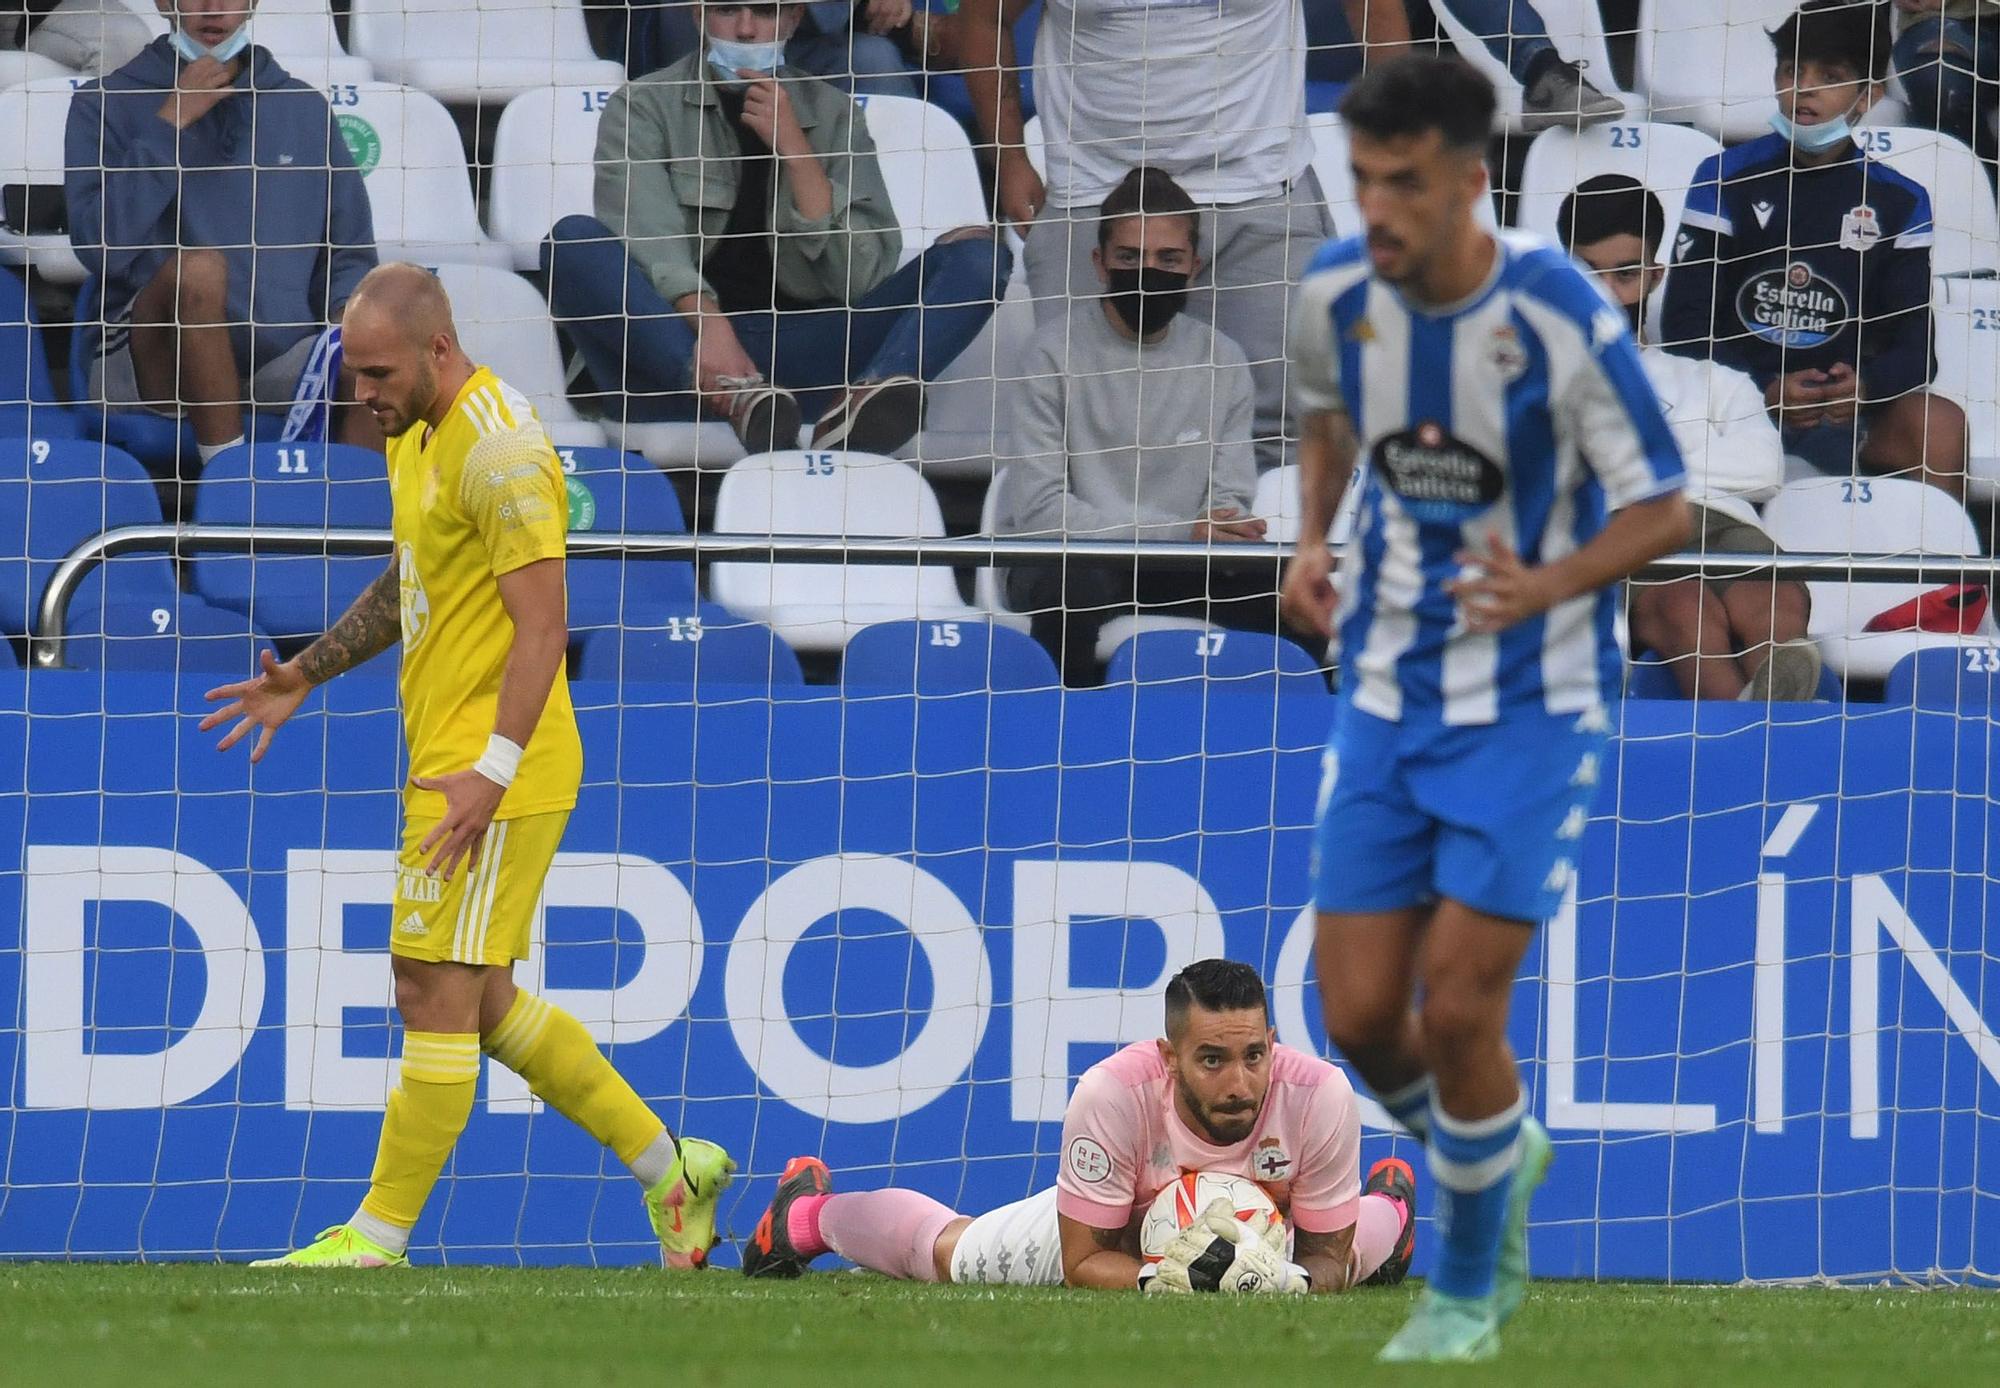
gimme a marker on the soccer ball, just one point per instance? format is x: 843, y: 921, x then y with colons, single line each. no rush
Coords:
x: 1181, y: 1204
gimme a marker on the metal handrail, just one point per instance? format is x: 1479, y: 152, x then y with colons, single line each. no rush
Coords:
x: 51, y: 620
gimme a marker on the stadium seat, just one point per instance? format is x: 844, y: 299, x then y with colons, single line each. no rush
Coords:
x: 1708, y: 63
x: 1575, y: 26
x: 18, y: 66
x: 54, y: 495
x: 1962, y: 204
x: 1958, y: 681
x: 610, y: 492
x: 299, y: 33
x: 927, y: 162
x: 131, y: 616
x: 1230, y: 659
x: 1277, y: 501
x: 706, y: 644
x: 540, y: 170
x: 503, y: 323
x: 488, y: 52
x: 1119, y: 630
x: 989, y: 581
x: 1336, y: 178
x: 1966, y: 333
x: 818, y: 607
x: 314, y: 486
x: 1874, y: 515
x: 33, y: 116
x: 1663, y: 157
x: 945, y: 658
x: 407, y: 148
x: 28, y: 404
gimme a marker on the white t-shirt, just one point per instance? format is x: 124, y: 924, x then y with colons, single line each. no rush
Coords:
x: 1735, y: 458
x: 1211, y: 91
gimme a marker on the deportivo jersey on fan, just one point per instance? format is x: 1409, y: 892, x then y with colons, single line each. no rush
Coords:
x: 1778, y: 269
x: 1522, y: 412
x: 484, y: 497
x: 1124, y: 1142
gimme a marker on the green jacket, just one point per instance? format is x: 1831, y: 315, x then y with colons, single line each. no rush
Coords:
x: 655, y: 189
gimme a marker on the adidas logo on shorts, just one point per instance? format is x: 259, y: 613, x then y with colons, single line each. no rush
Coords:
x: 412, y: 924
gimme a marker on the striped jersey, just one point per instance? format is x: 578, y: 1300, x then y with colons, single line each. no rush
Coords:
x: 1522, y: 412
x: 481, y: 497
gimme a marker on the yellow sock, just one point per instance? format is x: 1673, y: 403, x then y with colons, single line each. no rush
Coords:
x: 427, y: 1111
x: 549, y: 1049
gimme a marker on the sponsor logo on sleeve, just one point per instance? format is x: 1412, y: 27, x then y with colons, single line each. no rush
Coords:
x: 1088, y: 1161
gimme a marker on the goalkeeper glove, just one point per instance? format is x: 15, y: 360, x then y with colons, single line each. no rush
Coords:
x: 1219, y: 1253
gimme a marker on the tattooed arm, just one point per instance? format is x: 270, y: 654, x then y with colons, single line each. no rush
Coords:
x: 264, y: 702
x: 1094, y: 1257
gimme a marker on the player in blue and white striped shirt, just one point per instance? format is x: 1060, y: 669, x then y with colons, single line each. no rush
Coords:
x: 1517, y: 466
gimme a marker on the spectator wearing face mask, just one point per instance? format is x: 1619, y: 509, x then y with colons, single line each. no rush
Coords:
x: 1133, y: 422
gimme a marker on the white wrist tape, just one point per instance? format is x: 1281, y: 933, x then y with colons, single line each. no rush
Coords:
x: 500, y: 761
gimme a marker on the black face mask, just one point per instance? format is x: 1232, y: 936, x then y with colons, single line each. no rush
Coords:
x: 1637, y: 313
x: 1146, y: 299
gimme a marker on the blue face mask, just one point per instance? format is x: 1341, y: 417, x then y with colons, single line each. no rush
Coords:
x: 1815, y: 139
x: 727, y: 55
x: 191, y: 51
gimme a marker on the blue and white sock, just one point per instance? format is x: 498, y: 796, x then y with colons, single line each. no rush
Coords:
x: 1472, y: 1161
x: 1411, y: 1106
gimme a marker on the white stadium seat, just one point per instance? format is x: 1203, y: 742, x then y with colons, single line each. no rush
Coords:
x: 1278, y: 502
x: 1871, y: 515
x: 818, y: 607
x: 1968, y: 219
x: 1708, y: 63
x: 32, y: 118
x: 1966, y: 332
x: 927, y: 162
x: 409, y: 153
x: 1663, y: 157
x: 1336, y: 177
x: 989, y: 581
x: 504, y: 324
x: 1575, y: 27
x: 468, y: 51
x: 17, y: 67
x: 298, y: 33
x: 542, y: 166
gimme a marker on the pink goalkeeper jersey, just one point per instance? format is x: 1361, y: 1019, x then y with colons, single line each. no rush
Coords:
x: 1123, y: 1141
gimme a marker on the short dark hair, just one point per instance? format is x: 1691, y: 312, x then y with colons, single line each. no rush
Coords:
x: 1854, y: 32
x: 1148, y: 192
x: 1610, y: 205
x: 1420, y: 92
x: 1213, y: 985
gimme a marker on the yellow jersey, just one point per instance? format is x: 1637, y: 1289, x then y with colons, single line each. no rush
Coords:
x: 484, y: 495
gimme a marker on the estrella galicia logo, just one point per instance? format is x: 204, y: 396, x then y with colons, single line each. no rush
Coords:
x: 1792, y: 306
x: 1440, y: 478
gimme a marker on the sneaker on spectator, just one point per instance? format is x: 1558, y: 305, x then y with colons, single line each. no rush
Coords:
x: 766, y: 418
x: 874, y: 416
x: 1789, y: 675
x: 1562, y: 96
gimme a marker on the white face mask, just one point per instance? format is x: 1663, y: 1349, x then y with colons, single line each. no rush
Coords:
x: 191, y: 51
x: 727, y: 55
x: 1816, y: 139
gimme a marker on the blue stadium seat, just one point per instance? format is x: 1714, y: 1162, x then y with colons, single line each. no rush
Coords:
x: 706, y: 644
x: 28, y: 404
x: 131, y: 616
x: 1958, y: 679
x: 54, y: 495
x: 1248, y: 660
x: 945, y: 658
x: 311, y: 485
x: 612, y: 491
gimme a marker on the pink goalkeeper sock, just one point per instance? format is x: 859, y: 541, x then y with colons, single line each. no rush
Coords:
x: 887, y: 1231
x: 1376, y: 1229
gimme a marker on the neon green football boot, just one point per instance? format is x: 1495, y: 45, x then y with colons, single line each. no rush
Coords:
x: 682, y: 1204
x: 1510, y: 1274
x: 338, y: 1247
x: 1445, y: 1330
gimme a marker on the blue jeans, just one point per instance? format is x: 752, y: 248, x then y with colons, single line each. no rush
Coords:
x: 1512, y: 31
x: 865, y: 64
x: 1949, y: 69
x: 914, y: 323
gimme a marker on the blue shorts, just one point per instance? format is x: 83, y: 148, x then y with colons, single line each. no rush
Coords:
x: 1490, y: 816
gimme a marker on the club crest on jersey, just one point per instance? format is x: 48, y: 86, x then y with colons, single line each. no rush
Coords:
x: 1505, y: 354
x: 433, y: 481
x: 1860, y: 229
x: 1270, y: 1162
x: 416, y: 603
x: 1792, y: 305
x: 1439, y: 478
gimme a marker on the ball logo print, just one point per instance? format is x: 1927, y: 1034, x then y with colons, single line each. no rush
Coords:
x: 1089, y: 1161
x: 363, y: 144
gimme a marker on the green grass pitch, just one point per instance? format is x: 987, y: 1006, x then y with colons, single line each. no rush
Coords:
x: 147, y: 1327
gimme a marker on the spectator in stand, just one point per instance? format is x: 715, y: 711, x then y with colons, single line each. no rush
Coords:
x: 1212, y: 95
x: 1554, y: 92
x: 1722, y: 639
x: 744, y: 249
x: 213, y: 197
x: 1130, y: 422
x: 1947, y: 55
x: 1807, y: 265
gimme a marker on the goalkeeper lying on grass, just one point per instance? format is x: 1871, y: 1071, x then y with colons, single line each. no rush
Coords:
x: 1215, y: 1095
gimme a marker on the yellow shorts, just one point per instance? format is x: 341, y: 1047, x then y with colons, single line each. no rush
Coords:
x: 484, y: 914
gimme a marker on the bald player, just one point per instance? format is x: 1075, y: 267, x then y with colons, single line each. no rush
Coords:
x: 475, y: 593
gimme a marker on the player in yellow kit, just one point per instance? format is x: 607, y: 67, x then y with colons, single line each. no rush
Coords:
x: 475, y: 593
